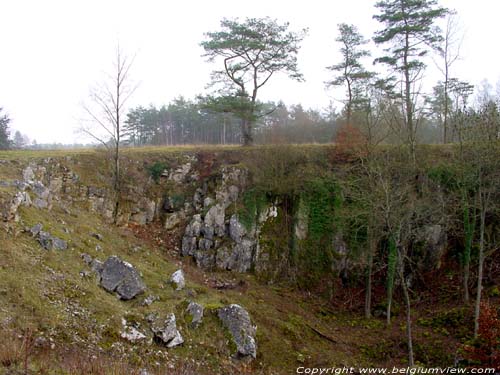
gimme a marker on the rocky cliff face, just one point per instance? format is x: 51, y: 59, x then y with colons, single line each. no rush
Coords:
x: 219, y: 229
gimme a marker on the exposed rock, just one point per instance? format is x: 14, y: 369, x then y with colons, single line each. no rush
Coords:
x: 434, y: 239
x: 28, y: 174
x: 179, y: 175
x: 236, y: 229
x: 131, y: 333
x: 214, y: 219
x: 242, y: 256
x: 87, y: 258
x: 189, y: 242
x: 34, y: 230
x: 41, y: 191
x: 21, y: 198
x: 177, y: 279
x: 40, y: 203
x: 121, y: 277
x: 166, y: 331
x: 50, y: 242
x: 195, y: 310
x: 173, y: 220
x: 237, y: 320
x: 149, y: 300
x: 96, y: 265
x: 301, y: 226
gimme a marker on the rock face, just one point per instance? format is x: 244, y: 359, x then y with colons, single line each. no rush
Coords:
x: 195, y: 311
x: 237, y: 320
x: 218, y: 240
x: 166, y: 331
x: 434, y: 240
x: 121, y: 277
x: 178, y: 280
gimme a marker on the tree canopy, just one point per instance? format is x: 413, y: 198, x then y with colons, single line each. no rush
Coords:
x: 251, y: 51
x: 5, y: 142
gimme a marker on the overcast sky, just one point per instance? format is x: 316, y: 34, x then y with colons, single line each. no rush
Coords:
x: 53, y: 52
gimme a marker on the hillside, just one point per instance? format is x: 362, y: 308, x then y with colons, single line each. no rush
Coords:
x: 271, y: 229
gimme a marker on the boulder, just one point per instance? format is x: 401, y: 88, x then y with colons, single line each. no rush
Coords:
x: 28, y: 174
x: 121, y: 277
x: 35, y: 229
x: 131, y: 333
x: 50, y: 242
x: 237, y: 321
x: 195, y: 311
x: 166, y: 331
x: 178, y: 280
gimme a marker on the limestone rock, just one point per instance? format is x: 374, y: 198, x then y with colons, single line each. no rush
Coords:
x: 166, y: 331
x: 237, y: 320
x: 28, y: 174
x: 50, y: 242
x: 195, y: 310
x: 121, y: 277
x: 236, y: 229
x: 131, y: 333
x: 178, y: 280
x: 35, y: 229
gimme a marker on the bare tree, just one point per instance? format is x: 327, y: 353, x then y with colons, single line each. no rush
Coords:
x: 449, y: 52
x: 106, y: 112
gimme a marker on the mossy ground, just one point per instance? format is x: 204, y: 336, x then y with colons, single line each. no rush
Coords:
x: 43, y: 294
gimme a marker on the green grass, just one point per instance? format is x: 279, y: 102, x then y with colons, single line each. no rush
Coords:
x: 43, y: 290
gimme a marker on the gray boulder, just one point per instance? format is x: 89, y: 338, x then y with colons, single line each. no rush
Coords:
x: 35, y: 229
x: 178, y: 280
x: 121, y: 277
x: 50, y: 242
x: 195, y: 311
x: 28, y: 174
x: 166, y: 331
x: 237, y: 320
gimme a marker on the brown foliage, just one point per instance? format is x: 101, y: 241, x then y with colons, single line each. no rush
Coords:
x: 486, y: 349
x: 350, y: 143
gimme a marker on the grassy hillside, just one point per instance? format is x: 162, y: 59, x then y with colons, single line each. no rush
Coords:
x: 56, y: 319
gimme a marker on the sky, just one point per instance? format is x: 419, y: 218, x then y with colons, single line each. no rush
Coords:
x: 54, y: 52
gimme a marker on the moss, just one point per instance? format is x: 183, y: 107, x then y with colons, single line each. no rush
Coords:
x: 253, y: 203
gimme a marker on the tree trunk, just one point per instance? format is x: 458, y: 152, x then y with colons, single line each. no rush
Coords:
x: 482, y: 204
x: 369, y: 268
x: 469, y: 225
x: 406, y: 294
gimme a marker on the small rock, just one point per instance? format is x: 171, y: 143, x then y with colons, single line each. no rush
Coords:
x: 98, y: 236
x: 85, y: 274
x: 86, y: 258
x: 196, y: 311
x: 166, y: 331
x: 149, y: 300
x: 178, y: 280
x: 237, y: 320
x: 50, y: 242
x: 131, y: 334
x: 36, y: 229
x: 98, y: 247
